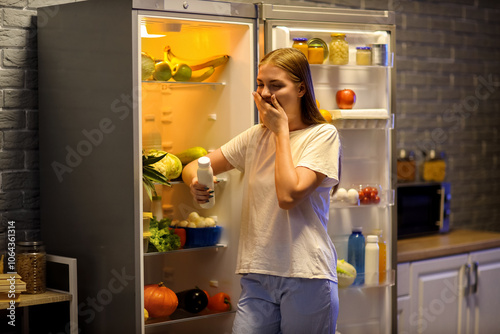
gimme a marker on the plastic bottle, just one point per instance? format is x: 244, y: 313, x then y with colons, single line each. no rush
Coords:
x: 206, y: 177
x: 356, y: 254
x: 151, y: 135
x: 371, y: 260
x: 382, y: 257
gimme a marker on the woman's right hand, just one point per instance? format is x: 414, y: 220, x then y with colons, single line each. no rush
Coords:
x: 200, y: 192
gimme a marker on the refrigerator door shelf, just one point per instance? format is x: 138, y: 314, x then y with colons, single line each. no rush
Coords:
x: 187, y: 84
x: 216, y: 247
x: 360, y: 118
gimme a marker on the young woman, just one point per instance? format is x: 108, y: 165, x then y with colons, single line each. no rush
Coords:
x: 290, y: 163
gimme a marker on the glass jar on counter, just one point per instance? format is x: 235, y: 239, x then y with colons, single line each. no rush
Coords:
x: 31, y: 265
x: 300, y: 43
x: 406, y: 166
x: 363, y: 55
x: 434, y: 167
x: 339, y: 49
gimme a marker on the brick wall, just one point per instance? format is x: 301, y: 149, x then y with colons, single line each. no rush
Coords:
x: 447, y: 99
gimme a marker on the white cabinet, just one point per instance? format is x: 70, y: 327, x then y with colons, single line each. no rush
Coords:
x: 454, y: 294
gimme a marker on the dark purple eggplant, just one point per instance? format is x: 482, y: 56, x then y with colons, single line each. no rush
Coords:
x: 192, y: 300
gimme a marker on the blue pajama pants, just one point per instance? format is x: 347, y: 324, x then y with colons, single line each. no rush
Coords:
x: 281, y: 305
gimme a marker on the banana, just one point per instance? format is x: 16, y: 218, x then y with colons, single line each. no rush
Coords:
x: 203, y: 74
x: 195, y: 64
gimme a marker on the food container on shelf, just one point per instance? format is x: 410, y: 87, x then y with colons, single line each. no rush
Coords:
x: 202, y: 237
x: 31, y: 265
x: 369, y: 193
x: 339, y: 49
x: 317, y: 51
x: 300, y: 43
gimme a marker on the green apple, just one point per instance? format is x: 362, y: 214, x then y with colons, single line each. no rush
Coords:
x: 181, y: 72
x: 162, y: 71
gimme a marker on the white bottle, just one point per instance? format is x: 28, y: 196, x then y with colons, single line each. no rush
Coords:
x: 206, y: 177
x: 151, y: 135
x: 371, y: 260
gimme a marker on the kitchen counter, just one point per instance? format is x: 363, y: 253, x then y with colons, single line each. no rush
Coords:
x: 451, y: 243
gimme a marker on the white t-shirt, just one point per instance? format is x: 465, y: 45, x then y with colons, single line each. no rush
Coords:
x: 273, y: 241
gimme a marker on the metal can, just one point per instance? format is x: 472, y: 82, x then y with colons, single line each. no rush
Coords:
x: 380, y: 55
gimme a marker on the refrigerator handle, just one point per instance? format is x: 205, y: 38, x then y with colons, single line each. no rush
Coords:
x: 475, y: 266
x: 467, y: 276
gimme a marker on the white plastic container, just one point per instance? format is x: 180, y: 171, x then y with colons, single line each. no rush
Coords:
x: 151, y: 135
x: 206, y: 177
x: 371, y: 260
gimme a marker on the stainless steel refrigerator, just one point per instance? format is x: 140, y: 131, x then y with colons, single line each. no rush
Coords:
x: 93, y: 102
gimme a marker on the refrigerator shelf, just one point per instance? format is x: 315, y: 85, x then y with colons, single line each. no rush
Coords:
x: 182, y: 316
x: 390, y: 280
x: 186, y: 84
x: 216, y: 247
x: 350, y: 67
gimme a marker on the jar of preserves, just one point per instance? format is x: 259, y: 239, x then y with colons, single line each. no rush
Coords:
x: 339, y: 49
x: 300, y: 43
x: 31, y: 265
x: 406, y: 166
x: 316, y: 52
x: 363, y: 55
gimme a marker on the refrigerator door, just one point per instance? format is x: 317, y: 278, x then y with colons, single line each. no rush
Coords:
x: 366, y: 133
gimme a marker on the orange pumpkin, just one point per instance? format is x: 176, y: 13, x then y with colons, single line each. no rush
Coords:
x: 159, y: 300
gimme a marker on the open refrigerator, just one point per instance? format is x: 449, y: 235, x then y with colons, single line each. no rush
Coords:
x: 93, y: 103
x: 367, y: 138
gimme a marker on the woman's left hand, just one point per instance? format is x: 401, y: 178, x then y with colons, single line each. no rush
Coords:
x: 273, y: 116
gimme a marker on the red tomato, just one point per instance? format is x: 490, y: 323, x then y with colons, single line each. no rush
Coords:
x: 373, y: 194
x: 361, y: 194
x: 366, y: 200
x: 376, y: 200
x: 367, y: 191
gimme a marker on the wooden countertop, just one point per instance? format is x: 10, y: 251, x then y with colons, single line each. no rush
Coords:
x: 47, y: 297
x: 451, y: 243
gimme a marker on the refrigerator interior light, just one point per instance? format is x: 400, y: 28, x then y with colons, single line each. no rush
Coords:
x: 145, y: 34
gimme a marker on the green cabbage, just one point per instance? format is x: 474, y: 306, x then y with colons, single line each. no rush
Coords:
x: 170, y: 165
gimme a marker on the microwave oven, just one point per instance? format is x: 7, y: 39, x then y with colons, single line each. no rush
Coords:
x: 423, y: 208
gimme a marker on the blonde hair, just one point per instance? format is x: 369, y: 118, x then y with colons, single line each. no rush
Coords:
x: 296, y: 65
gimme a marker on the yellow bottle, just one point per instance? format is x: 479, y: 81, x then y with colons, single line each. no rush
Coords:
x: 382, y: 261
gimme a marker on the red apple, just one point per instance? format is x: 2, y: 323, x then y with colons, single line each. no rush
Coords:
x: 346, y: 98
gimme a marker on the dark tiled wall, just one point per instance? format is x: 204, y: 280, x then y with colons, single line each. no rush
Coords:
x: 448, y: 83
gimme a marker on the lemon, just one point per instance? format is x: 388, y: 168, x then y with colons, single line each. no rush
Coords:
x: 326, y: 115
x: 146, y: 315
x: 181, y: 72
x: 162, y: 71
x: 317, y: 103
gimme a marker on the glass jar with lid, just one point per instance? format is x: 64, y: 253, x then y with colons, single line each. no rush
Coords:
x: 339, y: 49
x: 31, y: 265
x: 300, y: 43
x: 318, y: 51
x: 363, y: 55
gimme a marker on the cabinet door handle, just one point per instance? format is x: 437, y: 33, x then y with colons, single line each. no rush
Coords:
x: 467, y: 276
x: 475, y: 266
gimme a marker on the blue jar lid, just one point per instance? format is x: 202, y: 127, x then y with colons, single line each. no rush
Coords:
x: 363, y: 48
x: 300, y: 39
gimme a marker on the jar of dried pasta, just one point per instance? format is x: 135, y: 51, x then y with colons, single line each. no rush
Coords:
x: 31, y: 265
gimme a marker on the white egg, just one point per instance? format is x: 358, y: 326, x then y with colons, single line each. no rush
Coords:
x: 341, y: 194
x: 352, y: 196
x: 192, y: 225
